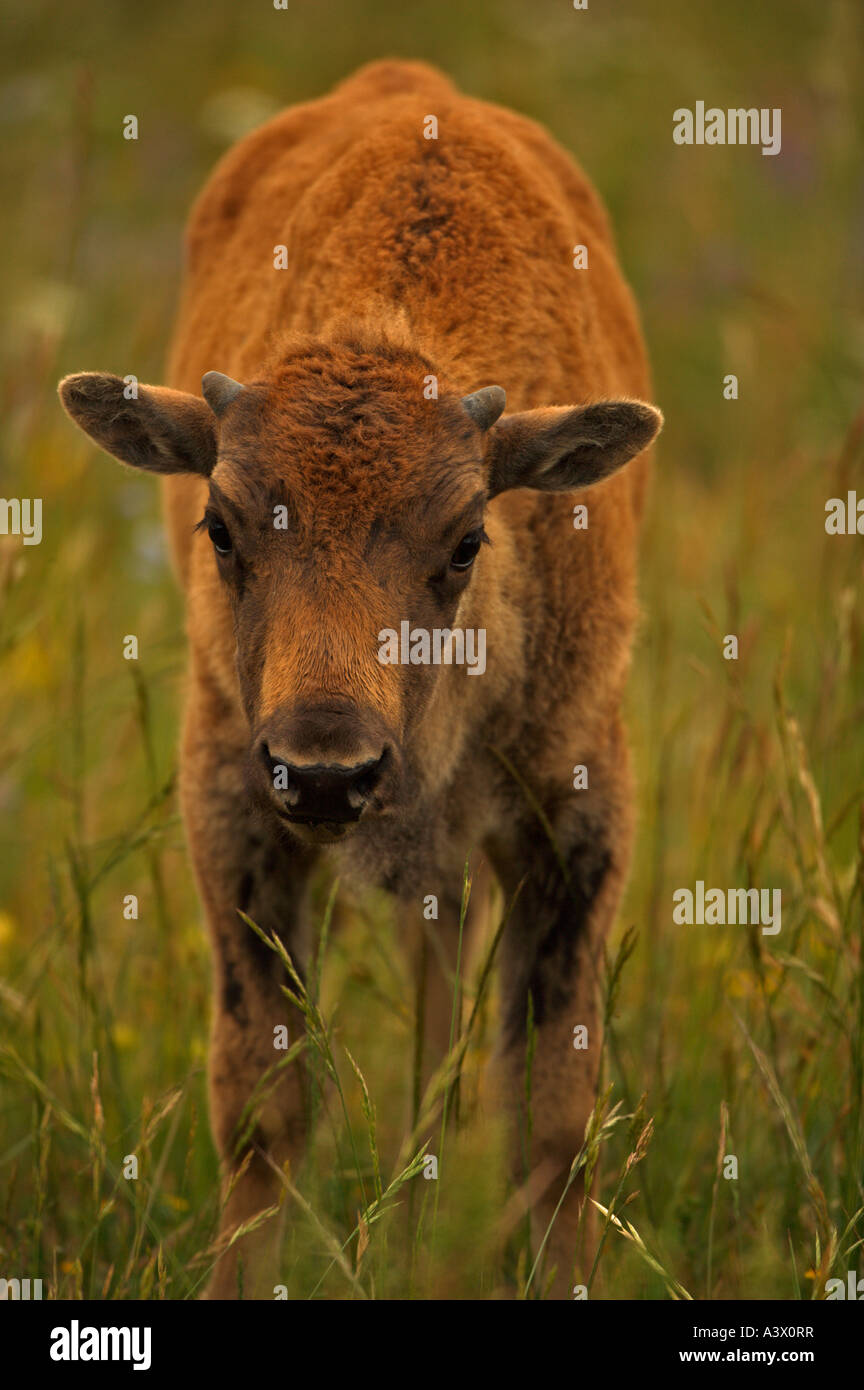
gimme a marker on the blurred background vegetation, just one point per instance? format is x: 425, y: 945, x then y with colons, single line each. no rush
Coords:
x: 749, y: 771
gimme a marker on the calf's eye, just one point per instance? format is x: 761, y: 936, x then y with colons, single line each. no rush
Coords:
x: 465, y: 553
x: 218, y: 534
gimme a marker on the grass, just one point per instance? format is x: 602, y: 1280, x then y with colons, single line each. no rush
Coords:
x: 720, y: 1041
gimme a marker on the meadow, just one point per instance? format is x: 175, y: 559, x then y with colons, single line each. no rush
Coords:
x: 721, y: 1040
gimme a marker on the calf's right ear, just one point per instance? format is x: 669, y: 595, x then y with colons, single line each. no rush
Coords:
x: 160, y: 430
x: 566, y: 448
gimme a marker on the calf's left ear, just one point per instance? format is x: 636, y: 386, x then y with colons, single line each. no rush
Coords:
x: 564, y: 448
x: 160, y: 430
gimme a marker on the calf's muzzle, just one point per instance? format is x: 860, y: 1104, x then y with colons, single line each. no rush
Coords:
x: 323, y: 766
x: 322, y: 792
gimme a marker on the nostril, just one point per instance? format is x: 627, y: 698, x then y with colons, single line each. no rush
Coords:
x: 282, y: 775
x: 365, y: 781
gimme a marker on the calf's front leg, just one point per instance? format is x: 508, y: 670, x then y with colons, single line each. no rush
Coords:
x: 239, y: 865
x: 552, y: 953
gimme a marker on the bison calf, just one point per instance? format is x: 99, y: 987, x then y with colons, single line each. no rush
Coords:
x: 364, y: 267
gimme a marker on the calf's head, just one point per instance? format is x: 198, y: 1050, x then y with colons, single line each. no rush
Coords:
x: 343, y: 503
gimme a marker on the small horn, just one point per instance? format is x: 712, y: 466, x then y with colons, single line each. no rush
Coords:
x: 219, y: 391
x: 485, y: 406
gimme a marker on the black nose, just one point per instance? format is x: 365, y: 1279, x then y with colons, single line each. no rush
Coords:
x: 316, y: 792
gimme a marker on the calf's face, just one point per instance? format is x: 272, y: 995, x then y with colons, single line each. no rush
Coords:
x: 342, y: 505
